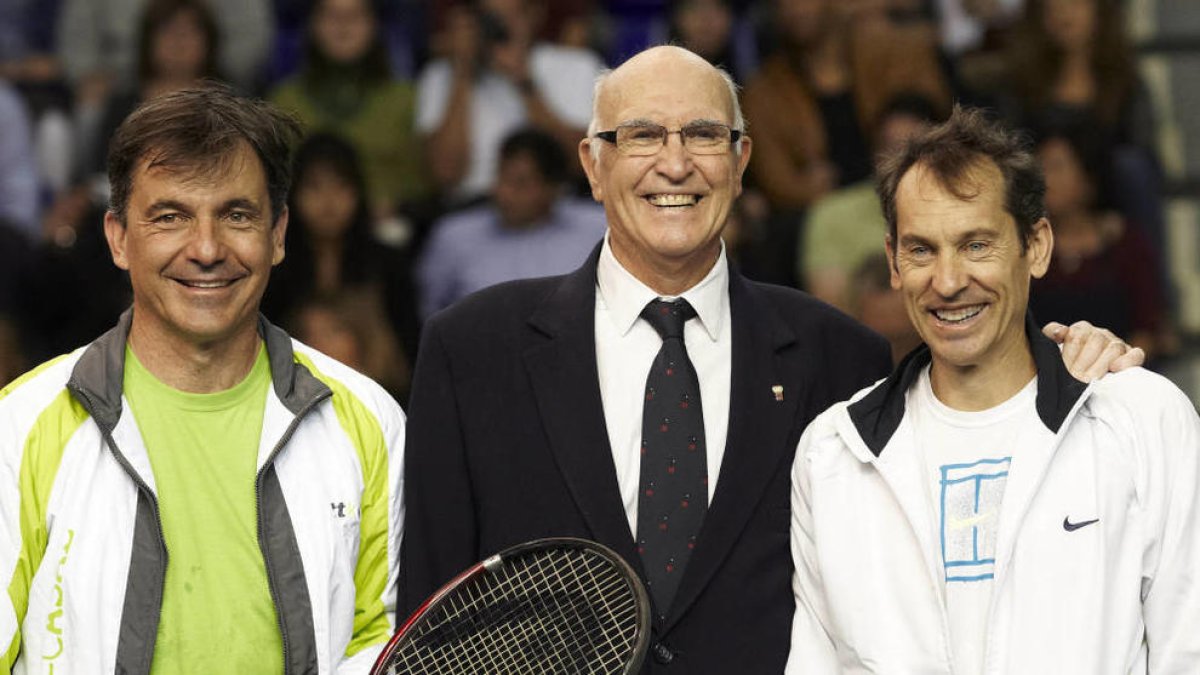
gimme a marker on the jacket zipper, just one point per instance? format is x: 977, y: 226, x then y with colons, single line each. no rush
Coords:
x: 271, y: 583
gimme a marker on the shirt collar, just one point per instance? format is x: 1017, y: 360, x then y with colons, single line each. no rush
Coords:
x: 625, y: 296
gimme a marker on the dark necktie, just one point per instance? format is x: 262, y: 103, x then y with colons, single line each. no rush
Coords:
x: 674, y: 471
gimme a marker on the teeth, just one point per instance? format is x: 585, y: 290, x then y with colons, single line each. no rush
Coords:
x: 958, y: 315
x: 206, y: 284
x: 672, y: 200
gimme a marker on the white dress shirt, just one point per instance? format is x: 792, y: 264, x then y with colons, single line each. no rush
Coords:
x: 625, y: 348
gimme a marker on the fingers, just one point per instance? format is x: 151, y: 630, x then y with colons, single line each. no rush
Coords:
x: 1055, y: 331
x: 1090, y: 352
x: 1108, y: 353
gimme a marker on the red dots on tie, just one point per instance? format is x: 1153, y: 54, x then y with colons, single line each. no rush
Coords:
x: 683, y: 503
x: 670, y: 568
x: 671, y: 467
x: 670, y: 372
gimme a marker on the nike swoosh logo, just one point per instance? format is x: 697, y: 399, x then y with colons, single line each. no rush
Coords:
x: 1071, y: 527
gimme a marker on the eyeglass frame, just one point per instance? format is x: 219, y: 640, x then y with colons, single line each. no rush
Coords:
x: 735, y: 135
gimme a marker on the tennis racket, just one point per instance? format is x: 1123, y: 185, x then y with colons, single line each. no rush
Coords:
x: 547, y: 606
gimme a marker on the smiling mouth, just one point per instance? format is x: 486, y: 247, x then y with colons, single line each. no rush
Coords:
x: 673, y: 200
x: 958, y: 315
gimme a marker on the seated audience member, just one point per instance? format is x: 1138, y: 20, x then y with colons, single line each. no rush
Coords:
x: 345, y: 86
x: 530, y: 228
x: 846, y: 226
x: 98, y: 42
x: 351, y: 327
x: 178, y: 43
x: 879, y: 306
x: 18, y: 167
x: 813, y: 104
x: 331, y: 244
x: 72, y: 259
x: 498, y: 78
x: 706, y: 27
x: 1073, y: 62
x: 1103, y: 270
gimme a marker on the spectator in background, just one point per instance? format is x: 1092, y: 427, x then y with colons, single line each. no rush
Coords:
x: 846, y: 226
x: 1103, y: 270
x: 331, y: 246
x: 529, y: 229
x: 874, y: 302
x: 813, y: 104
x: 178, y: 43
x: 1072, y: 63
x: 495, y: 79
x: 345, y: 86
x: 351, y: 327
x: 18, y: 167
x: 97, y: 42
x: 706, y: 27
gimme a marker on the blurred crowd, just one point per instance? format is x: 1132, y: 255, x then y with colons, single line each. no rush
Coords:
x: 443, y: 141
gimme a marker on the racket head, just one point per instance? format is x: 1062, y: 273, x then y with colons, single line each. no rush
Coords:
x: 556, y: 605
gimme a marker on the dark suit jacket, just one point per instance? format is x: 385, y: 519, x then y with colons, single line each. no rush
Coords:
x: 507, y: 442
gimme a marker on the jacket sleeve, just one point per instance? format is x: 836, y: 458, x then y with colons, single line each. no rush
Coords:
x: 1171, y: 585
x: 812, y: 650
x: 377, y: 570
x: 440, y: 538
x: 12, y: 556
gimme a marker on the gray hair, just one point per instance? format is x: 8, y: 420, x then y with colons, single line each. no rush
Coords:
x: 739, y: 120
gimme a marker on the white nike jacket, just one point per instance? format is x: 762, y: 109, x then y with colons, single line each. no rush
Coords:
x: 1114, y: 597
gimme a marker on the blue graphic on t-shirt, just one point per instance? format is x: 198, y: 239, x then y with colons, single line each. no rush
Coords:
x: 970, y: 516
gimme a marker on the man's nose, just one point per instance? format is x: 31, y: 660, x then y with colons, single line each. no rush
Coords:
x: 205, y: 245
x: 949, y: 275
x: 674, y: 161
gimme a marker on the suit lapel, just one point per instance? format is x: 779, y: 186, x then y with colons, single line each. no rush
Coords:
x: 758, y: 428
x: 561, y: 362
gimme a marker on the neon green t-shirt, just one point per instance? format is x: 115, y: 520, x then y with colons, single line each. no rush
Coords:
x: 217, y: 612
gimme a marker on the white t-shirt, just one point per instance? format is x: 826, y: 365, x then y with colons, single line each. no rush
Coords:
x: 564, y: 77
x: 967, y: 456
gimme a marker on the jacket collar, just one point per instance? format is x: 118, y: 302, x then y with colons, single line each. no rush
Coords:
x: 98, y: 378
x: 877, y: 415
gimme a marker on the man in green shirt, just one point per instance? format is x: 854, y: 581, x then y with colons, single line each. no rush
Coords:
x: 195, y: 491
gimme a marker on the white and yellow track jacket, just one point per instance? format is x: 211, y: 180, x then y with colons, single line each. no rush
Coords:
x: 1117, y: 597
x: 81, y: 545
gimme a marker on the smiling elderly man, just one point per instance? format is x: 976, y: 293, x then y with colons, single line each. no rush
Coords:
x: 651, y: 400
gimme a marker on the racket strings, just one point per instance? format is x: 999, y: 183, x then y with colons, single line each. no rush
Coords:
x: 559, y: 611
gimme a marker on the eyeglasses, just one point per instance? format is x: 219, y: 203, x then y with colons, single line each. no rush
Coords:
x: 700, y: 138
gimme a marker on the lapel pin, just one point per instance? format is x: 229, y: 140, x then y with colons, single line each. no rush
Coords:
x: 777, y: 389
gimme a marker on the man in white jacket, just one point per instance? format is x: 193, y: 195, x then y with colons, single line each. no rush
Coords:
x: 980, y: 510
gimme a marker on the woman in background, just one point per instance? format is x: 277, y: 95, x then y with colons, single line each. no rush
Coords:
x: 345, y: 86
x: 1103, y: 270
x: 332, y: 251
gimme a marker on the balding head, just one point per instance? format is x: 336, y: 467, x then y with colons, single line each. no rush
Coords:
x: 657, y: 64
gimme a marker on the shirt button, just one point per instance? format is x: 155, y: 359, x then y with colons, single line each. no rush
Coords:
x: 663, y: 653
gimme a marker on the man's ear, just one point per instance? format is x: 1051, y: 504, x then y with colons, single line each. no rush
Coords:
x: 743, y: 160
x: 1040, y: 248
x: 114, y: 232
x: 278, y: 234
x: 893, y: 272
x: 588, y: 161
